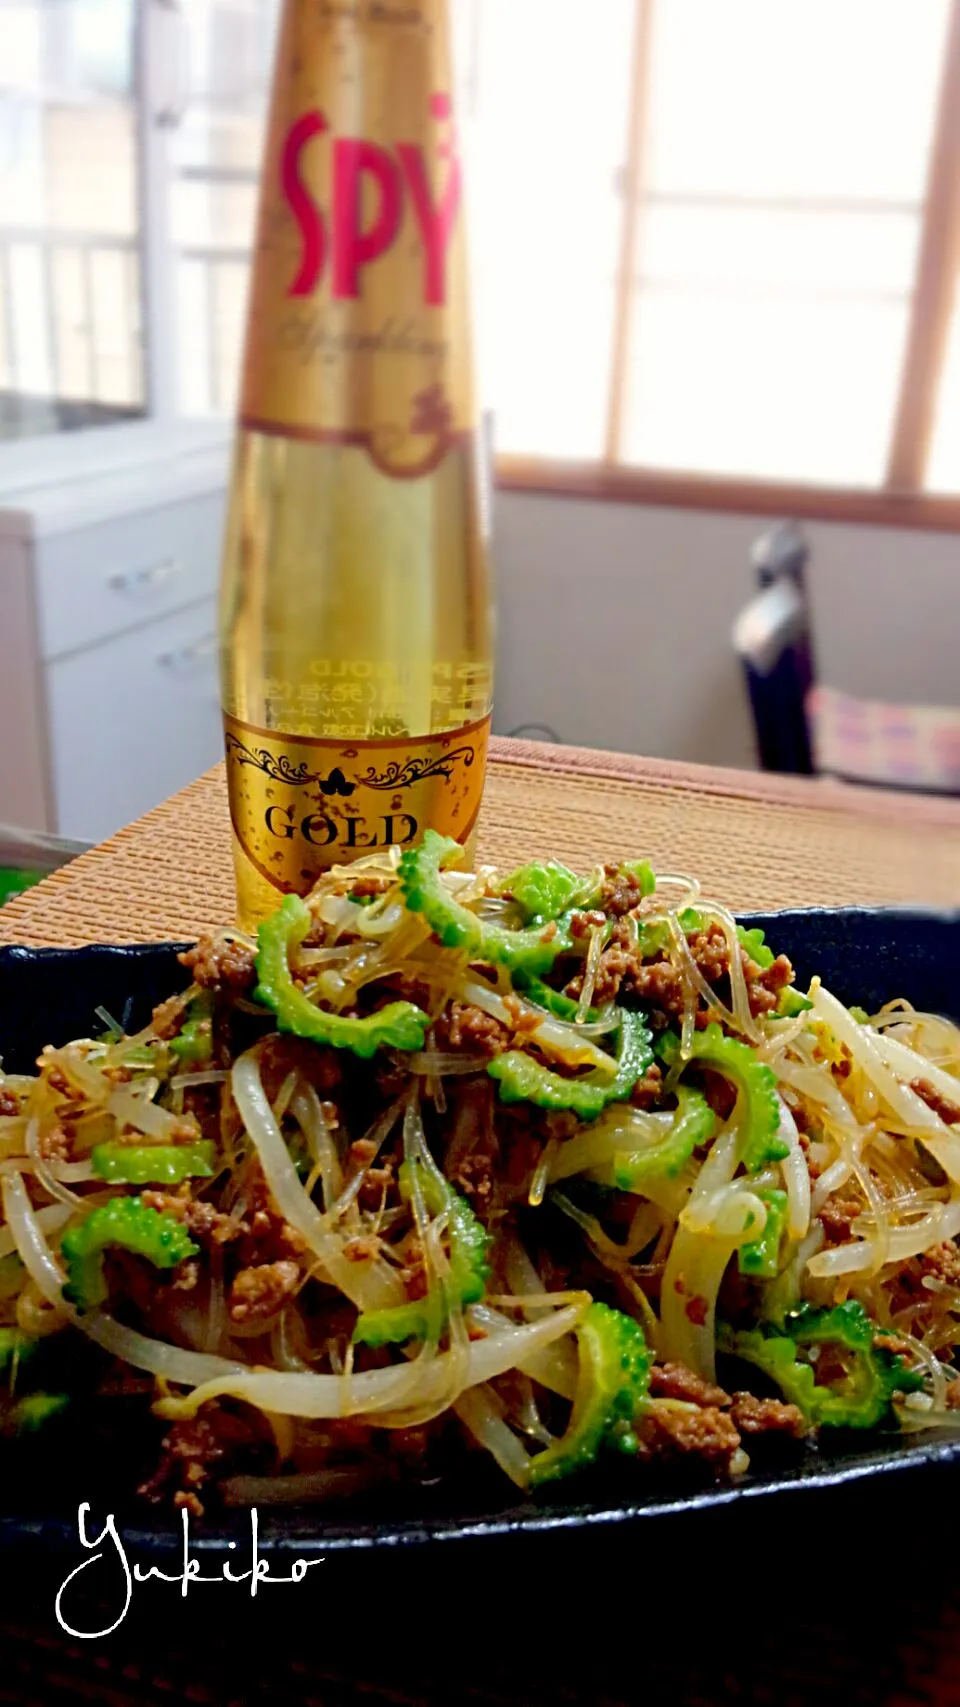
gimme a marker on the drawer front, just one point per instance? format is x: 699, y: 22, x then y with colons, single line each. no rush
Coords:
x: 133, y: 720
x: 98, y: 581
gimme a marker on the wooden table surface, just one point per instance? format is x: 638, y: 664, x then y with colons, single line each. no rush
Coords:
x: 842, y: 1605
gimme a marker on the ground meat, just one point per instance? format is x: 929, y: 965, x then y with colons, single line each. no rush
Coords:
x: 363, y: 1247
x: 9, y: 1102
x: 837, y: 1217
x: 657, y: 984
x: 260, y: 1234
x: 706, y: 1433
x: 953, y: 1394
x: 612, y: 967
x: 265, y: 1237
x: 676, y: 1381
x: 56, y: 1077
x: 369, y: 884
x: 581, y: 924
x: 620, y: 892
x: 54, y: 1146
x: 896, y: 1343
x: 413, y: 1274
x: 942, y: 1262
x: 947, y: 1110
x: 767, y: 1416
x: 192, y: 1449
x: 258, y: 1292
x: 521, y: 1019
x: 462, y: 1026
x: 118, y: 1075
x: 648, y: 1090
x: 202, y: 1221
x: 220, y: 965
x: 280, y: 1056
x: 376, y: 1185
x: 186, y: 1277
x: 185, y: 1131
x: 474, y: 1177
x: 710, y: 951
x: 167, y: 1017
x: 765, y: 985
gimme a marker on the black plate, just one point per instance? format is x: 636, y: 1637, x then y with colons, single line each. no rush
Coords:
x: 863, y: 955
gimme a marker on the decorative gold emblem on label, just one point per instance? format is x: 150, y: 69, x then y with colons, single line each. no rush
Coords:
x: 301, y: 804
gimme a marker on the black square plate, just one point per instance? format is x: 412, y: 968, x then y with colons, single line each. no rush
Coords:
x: 863, y: 955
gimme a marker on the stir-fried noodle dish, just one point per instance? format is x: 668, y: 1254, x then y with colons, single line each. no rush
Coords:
x: 560, y: 1169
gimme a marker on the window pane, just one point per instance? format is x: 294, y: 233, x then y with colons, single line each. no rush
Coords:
x: 786, y: 162
x: 70, y: 293
x: 774, y: 387
x: 546, y: 150
x: 214, y: 191
x: 784, y: 98
x: 750, y: 251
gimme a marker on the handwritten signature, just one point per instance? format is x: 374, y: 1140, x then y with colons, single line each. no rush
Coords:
x: 112, y: 1550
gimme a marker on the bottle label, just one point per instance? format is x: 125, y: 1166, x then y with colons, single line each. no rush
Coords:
x: 300, y: 804
x: 358, y: 328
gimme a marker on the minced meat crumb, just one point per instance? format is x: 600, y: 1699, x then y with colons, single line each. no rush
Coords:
x: 258, y: 1292
x: 676, y: 1381
x: 767, y: 1416
x: 648, y: 1090
x: 942, y: 1262
x: 220, y: 965
x: 9, y: 1102
x: 837, y: 1217
x: 620, y: 892
x: 706, y: 1433
x: 765, y: 986
x: 368, y: 884
x: 463, y: 1026
x: 192, y: 1449
x: 948, y: 1111
x: 54, y: 1146
x: 710, y: 951
x: 201, y: 1220
x: 581, y: 924
x: 167, y: 1017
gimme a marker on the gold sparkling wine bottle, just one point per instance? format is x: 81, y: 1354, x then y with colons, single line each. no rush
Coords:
x: 355, y: 604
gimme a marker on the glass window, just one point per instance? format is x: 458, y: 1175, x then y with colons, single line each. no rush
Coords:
x: 215, y: 168
x: 71, y: 302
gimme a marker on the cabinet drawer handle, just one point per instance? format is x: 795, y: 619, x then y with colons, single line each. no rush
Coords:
x: 182, y: 657
x: 143, y: 580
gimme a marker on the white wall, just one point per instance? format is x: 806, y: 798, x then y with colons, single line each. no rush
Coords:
x: 615, y: 621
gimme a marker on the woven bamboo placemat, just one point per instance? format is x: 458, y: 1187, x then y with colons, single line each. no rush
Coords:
x: 754, y: 842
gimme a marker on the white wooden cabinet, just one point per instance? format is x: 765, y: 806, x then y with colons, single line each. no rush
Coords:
x: 108, y: 664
